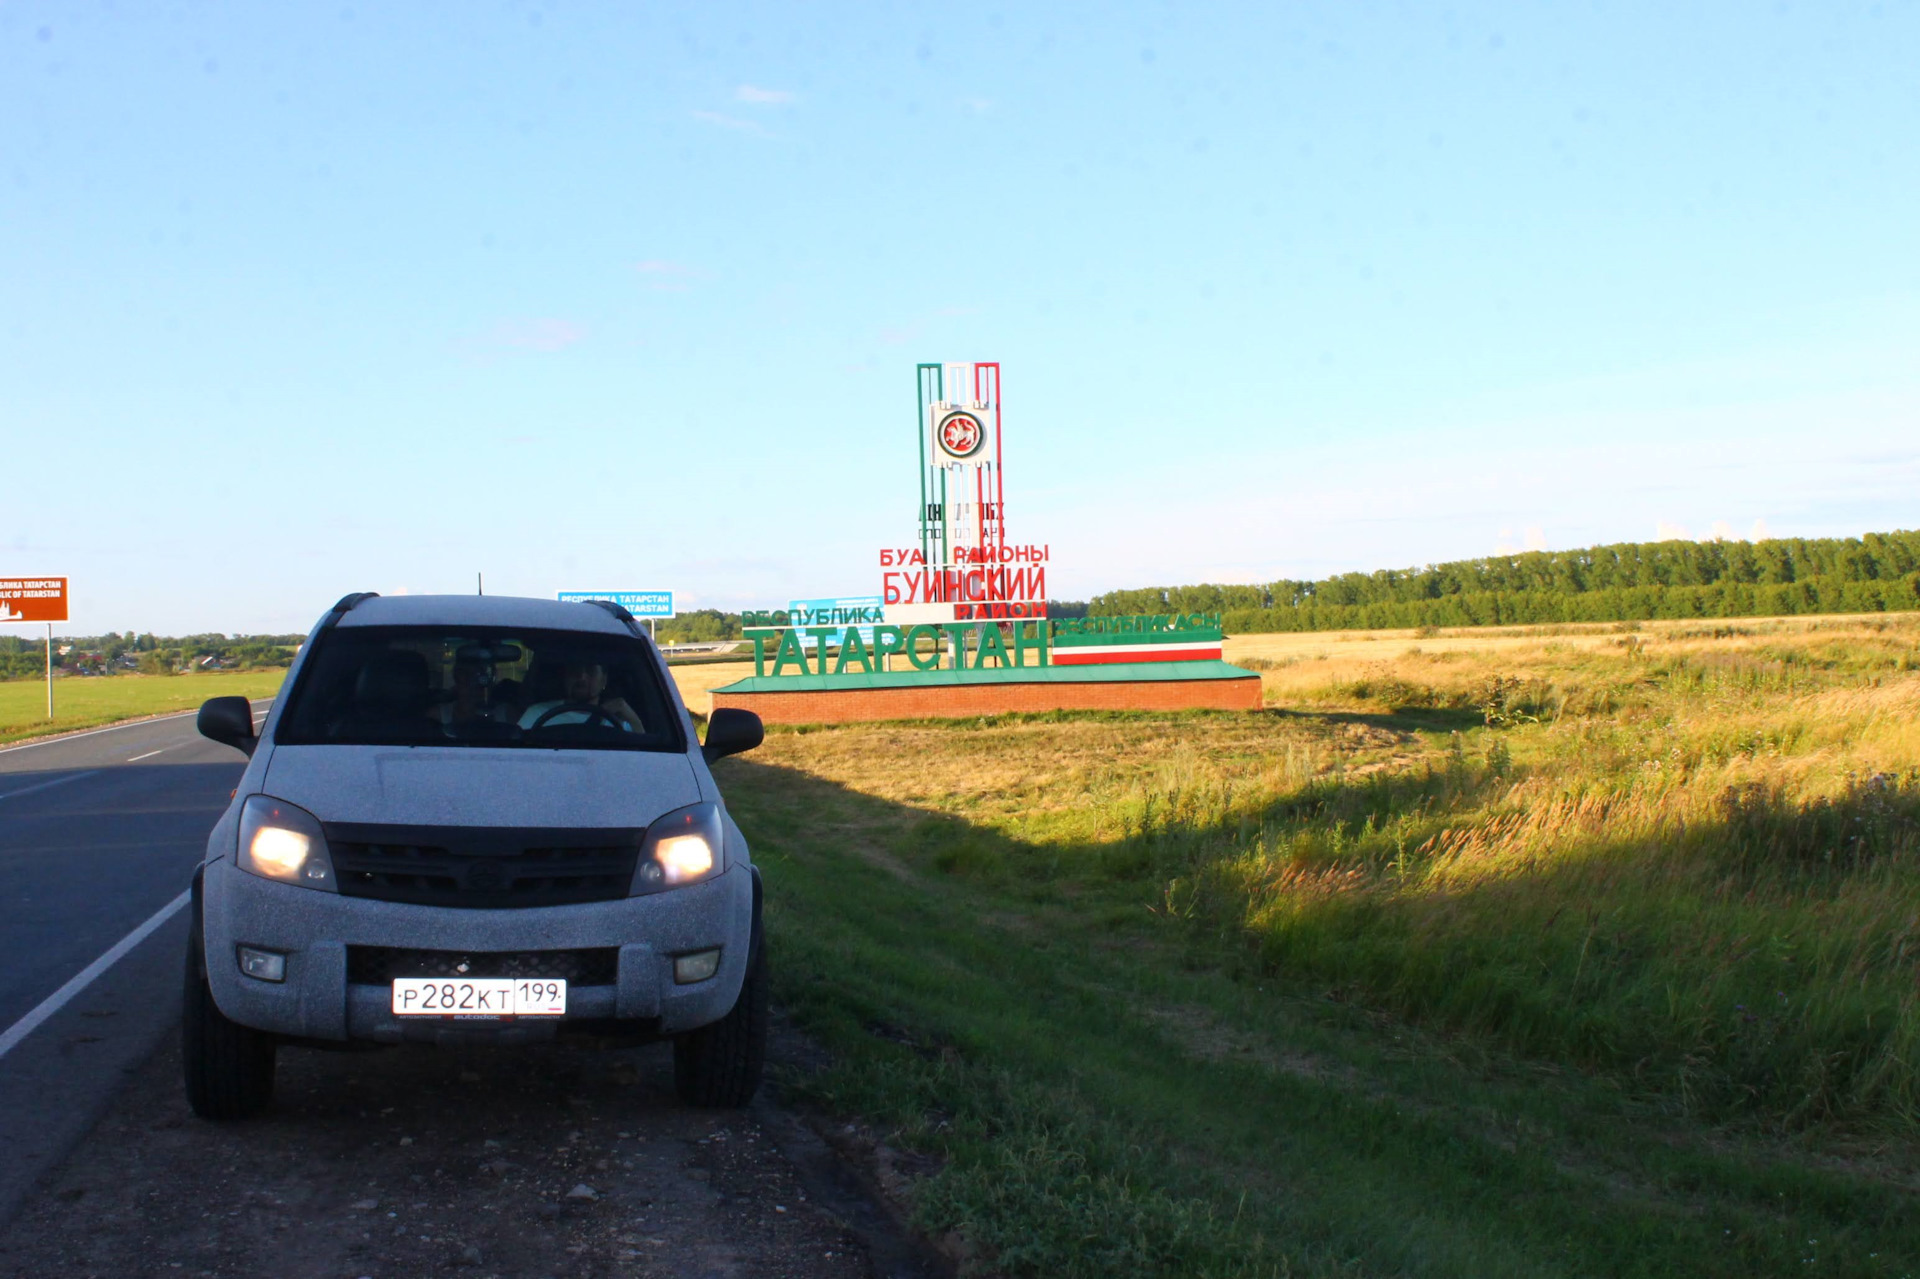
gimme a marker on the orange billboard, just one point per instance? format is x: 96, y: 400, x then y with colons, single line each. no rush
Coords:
x: 33, y: 599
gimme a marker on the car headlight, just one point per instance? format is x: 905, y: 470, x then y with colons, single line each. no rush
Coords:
x: 683, y: 847
x: 280, y: 841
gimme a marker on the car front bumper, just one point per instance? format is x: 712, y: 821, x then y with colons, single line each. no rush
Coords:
x: 314, y: 929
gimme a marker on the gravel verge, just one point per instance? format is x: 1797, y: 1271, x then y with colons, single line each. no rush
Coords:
x: 571, y: 1160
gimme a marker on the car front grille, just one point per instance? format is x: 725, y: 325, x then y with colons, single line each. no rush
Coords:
x: 483, y: 867
x: 379, y: 965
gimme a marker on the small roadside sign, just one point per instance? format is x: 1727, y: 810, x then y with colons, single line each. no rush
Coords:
x: 33, y: 599
x: 36, y: 599
x: 639, y: 603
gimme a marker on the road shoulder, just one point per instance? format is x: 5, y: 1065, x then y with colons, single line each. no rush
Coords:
x: 569, y: 1160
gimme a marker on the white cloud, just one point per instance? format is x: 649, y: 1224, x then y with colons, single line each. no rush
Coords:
x: 731, y: 122
x: 1665, y: 531
x: 1536, y: 538
x: 759, y: 97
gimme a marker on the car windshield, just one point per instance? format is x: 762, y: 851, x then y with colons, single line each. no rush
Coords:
x: 438, y: 686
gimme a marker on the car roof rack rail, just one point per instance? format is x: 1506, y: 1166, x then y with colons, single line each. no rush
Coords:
x: 346, y: 605
x: 618, y: 612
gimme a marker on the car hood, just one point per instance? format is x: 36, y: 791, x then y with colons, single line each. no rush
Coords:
x: 469, y: 786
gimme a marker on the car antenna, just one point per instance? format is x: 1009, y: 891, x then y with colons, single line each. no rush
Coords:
x: 479, y: 584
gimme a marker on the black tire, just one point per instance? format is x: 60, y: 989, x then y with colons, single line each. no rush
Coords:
x: 229, y: 1067
x: 719, y: 1066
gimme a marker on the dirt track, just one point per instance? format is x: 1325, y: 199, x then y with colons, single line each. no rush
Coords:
x: 566, y: 1161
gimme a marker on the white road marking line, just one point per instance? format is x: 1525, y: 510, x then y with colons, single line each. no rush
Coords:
x: 85, y: 977
x: 58, y: 781
x: 111, y: 728
x: 149, y: 755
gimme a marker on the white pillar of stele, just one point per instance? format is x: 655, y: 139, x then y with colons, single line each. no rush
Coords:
x: 961, y: 566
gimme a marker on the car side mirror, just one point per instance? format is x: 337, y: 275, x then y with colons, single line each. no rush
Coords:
x: 730, y: 731
x: 229, y: 721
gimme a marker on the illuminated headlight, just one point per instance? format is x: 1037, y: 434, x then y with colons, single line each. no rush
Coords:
x: 683, y: 847
x: 280, y: 841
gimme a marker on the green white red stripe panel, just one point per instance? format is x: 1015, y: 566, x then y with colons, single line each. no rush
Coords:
x: 1065, y: 638
x: 1155, y: 650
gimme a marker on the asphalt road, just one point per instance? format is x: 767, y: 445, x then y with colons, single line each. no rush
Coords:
x: 99, y: 835
x: 408, y: 1162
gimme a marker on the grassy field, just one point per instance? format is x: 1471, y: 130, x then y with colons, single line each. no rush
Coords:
x: 89, y: 703
x: 1582, y: 951
x: 696, y: 680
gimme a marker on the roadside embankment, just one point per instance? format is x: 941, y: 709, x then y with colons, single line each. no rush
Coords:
x: 81, y: 703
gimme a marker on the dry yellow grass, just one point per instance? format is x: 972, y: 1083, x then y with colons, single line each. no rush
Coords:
x: 696, y: 680
x: 1304, y: 665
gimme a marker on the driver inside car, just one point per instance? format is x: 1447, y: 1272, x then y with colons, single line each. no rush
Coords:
x: 583, y: 685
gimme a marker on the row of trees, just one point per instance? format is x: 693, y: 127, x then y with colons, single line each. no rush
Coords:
x: 1624, y: 582
x: 702, y: 626
x: 1633, y: 603
x: 23, y: 657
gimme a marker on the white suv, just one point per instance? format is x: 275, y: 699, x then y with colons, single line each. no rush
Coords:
x: 474, y: 819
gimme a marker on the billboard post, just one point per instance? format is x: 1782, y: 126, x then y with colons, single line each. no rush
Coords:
x: 36, y: 599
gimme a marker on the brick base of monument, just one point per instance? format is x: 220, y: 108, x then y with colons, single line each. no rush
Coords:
x: 852, y: 705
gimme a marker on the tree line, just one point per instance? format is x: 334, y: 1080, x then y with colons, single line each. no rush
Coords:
x: 116, y: 653
x: 1627, y: 581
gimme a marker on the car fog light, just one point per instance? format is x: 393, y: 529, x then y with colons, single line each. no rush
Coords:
x: 700, y: 965
x: 265, y: 965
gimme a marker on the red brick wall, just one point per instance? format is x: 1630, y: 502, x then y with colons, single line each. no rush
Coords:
x: 848, y: 706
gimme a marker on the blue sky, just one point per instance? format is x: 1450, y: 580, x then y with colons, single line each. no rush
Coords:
x: 303, y: 299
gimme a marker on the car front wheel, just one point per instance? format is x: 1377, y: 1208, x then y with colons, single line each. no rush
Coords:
x: 720, y: 1065
x: 229, y: 1067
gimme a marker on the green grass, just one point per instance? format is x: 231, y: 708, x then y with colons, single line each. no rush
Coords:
x: 1608, y: 970
x: 92, y: 702
x: 1094, y: 1097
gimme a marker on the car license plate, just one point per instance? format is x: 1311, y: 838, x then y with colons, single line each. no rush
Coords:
x: 479, y: 997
